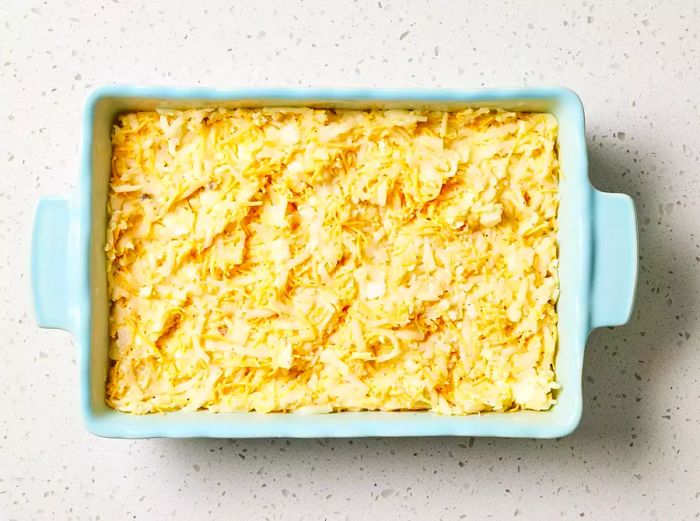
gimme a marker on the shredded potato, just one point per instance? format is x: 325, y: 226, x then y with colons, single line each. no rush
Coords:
x: 318, y: 260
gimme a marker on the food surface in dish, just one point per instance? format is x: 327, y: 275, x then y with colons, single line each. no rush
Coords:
x: 319, y: 260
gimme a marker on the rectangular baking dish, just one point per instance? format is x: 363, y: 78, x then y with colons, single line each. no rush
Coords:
x: 597, y: 248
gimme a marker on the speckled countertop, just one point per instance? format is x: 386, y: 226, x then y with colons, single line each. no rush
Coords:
x: 636, y: 66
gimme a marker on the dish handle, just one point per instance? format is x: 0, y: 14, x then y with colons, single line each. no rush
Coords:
x: 614, y: 277
x: 49, y: 263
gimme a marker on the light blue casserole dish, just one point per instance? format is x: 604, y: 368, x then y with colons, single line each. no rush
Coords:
x: 597, y: 251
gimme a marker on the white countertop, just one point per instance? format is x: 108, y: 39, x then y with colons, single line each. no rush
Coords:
x: 636, y: 65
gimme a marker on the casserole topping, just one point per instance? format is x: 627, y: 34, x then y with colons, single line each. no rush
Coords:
x: 287, y: 259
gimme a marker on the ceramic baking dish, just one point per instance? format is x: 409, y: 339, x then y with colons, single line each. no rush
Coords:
x: 597, y: 248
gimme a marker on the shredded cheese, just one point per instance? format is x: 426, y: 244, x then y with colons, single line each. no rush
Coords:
x: 318, y: 260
